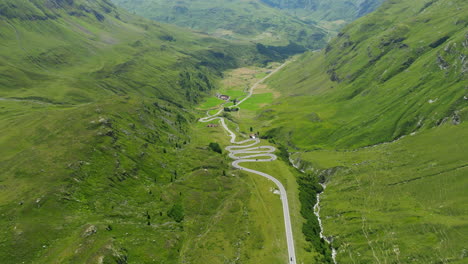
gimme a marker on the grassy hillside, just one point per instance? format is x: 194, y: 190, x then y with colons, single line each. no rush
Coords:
x: 379, y: 80
x: 397, y: 76
x: 98, y: 162
x: 399, y: 202
x: 240, y: 20
x: 83, y: 52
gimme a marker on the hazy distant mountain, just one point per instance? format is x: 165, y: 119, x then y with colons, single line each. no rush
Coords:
x: 271, y: 22
x: 329, y: 10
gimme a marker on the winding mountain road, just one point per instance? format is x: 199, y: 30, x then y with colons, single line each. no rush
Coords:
x: 247, y: 151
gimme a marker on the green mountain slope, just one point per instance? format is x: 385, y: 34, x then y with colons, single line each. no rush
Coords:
x: 380, y: 116
x: 379, y: 79
x: 96, y: 159
x: 92, y: 50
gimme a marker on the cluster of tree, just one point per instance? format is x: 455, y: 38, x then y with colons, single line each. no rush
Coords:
x: 280, y: 52
x: 309, y: 187
x: 215, y: 147
x: 283, y: 153
x: 233, y: 109
x: 176, y: 212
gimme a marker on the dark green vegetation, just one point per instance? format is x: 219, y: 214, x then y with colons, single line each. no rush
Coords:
x: 215, y: 147
x: 308, y: 188
x: 176, y: 212
x: 97, y: 162
x: 398, y: 73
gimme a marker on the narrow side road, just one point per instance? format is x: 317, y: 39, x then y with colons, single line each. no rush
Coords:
x: 247, y: 151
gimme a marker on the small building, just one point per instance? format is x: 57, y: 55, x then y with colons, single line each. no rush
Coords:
x: 253, y: 135
x: 212, y: 125
x: 224, y: 97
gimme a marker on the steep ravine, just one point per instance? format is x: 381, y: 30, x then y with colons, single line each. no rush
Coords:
x: 317, y: 209
x: 317, y: 213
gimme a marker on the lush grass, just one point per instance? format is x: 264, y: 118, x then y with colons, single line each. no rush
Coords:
x: 399, y: 201
x: 208, y: 237
x: 214, y: 111
x: 256, y: 101
x: 252, y: 208
x: 100, y: 160
x: 81, y: 59
x: 96, y: 154
x: 70, y: 171
x: 235, y: 92
x: 268, y: 206
x: 236, y: 83
x: 264, y: 206
x: 377, y: 81
x: 368, y: 92
x: 211, y: 102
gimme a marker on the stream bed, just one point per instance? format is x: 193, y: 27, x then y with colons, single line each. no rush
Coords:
x: 317, y: 212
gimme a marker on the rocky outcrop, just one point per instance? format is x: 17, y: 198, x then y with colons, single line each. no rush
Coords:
x: 442, y: 63
x: 91, y: 230
x: 456, y: 119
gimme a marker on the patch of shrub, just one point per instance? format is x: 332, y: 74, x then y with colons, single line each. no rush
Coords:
x: 215, y: 147
x: 309, y: 187
x: 438, y: 42
x: 176, y: 212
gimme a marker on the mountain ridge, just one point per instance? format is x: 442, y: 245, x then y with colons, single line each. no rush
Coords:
x: 255, y: 21
x: 366, y: 62
x: 327, y: 10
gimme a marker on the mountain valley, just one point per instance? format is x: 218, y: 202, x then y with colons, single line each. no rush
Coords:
x: 362, y: 103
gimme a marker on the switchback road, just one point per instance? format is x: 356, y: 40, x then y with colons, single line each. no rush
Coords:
x: 247, y: 151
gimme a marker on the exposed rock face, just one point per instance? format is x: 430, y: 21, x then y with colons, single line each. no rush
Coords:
x: 333, y: 75
x: 91, y: 230
x: 443, y: 64
x: 456, y: 119
x: 465, y: 43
